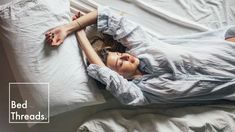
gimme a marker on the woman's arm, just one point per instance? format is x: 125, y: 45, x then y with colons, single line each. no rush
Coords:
x: 128, y: 33
x: 57, y: 35
x: 125, y: 91
x: 85, y: 45
x: 82, y: 22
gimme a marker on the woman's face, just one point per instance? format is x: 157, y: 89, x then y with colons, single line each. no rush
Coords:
x: 123, y: 63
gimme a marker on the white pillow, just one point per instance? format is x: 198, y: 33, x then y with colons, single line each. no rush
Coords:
x: 23, y: 24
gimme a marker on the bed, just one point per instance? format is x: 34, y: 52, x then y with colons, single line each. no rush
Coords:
x: 164, y: 18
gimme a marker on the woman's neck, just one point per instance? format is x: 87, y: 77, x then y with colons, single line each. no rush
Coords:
x: 137, y: 74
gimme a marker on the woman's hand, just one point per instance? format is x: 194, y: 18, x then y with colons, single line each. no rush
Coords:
x: 76, y: 16
x: 56, y: 36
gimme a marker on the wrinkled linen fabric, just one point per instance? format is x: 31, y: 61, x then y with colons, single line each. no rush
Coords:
x: 209, y: 118
x: 192, y: 68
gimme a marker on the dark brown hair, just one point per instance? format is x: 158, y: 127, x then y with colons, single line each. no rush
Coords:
x: 104, y: 44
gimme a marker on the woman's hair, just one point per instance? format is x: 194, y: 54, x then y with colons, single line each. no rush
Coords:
x: 104, y: 44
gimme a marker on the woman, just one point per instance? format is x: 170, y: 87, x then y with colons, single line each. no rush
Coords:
x: 193, y: 68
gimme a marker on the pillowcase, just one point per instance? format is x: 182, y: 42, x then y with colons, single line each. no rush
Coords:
x: 23, y: 24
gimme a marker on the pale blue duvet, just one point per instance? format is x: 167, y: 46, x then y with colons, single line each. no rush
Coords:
x: 187, y: 69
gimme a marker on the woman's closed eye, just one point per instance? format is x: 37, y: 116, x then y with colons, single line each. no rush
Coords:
x: 119, y: 54
x: 120, y: 63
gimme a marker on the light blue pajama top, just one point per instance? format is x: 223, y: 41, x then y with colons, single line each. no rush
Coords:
x: 187, y: 69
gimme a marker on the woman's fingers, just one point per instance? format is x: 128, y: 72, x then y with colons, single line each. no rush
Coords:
x: 52, y: 35
x: 49, y: 37
x: 49, y: 41
x: 48, y: 33
x: 55, y: 36
x: 56, y: 43
x: 76, y: 16
x: 53, y: 41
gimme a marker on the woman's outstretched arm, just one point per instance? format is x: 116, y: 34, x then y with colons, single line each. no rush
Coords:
x: 57, y: 35
x: 82, y: 22
x: 85, y: 45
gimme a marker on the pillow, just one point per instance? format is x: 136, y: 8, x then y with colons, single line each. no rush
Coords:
x: 23, y: 24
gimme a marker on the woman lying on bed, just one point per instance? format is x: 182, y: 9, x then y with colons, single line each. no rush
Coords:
x: 188, y: 69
